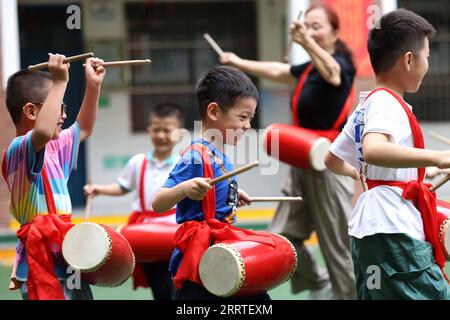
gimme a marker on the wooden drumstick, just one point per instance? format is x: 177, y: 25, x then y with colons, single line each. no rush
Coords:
x: 213, y: 44
x: 440, y: 183
x: 125, y: 63
x: 439, y: 137
x: 79, y: 57
x: 88, y: 208
x: 276, y: 199
x: 234, y: 172
x: 363, y: 183
x: 291, y: 42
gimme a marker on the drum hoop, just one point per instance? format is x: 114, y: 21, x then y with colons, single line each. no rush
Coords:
x: 314, y: 146
x: 441, y: 236
x: 241, y: 265
x: 103, y: 262
x: 294, y: 268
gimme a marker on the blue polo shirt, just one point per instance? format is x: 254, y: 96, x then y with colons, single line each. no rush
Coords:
x: 191, y: 166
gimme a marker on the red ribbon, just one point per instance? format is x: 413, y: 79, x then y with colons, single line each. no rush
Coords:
x: 425, y: 202
x: 193, y: 238
x: 417, y: 191
x: 37, y: 236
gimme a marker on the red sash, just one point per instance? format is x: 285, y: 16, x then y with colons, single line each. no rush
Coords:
x: 194, y: 237
x: 36, y: 237
x: 332, y: 133
x: 417, y: 191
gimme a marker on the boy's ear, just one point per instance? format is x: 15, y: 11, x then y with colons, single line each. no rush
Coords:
x: 213, y: 111
x: 408, y: 60
x: 29, y: 110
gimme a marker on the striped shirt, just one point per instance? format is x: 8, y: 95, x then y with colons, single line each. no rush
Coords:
x: 24, y: 179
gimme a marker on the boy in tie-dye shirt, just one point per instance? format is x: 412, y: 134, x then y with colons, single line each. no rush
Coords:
x: 37, y: 165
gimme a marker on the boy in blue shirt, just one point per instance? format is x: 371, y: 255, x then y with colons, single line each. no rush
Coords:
x: 227, y: 102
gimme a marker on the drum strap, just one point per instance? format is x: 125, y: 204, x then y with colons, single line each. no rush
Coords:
x: 49, y: 199
x: 141, y: 183
x: 416, y: 190
x: 209, y: 201
x: 335, y: 129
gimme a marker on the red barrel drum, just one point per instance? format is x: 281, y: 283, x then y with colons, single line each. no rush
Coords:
x: 244, y: 268
x: 151, y: 241
x: 102, y: 254
x: 296, y: 146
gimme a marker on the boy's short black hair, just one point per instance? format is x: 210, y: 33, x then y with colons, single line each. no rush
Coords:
x: 25, y: 86
x: 166, y: 110
x: 396, y: 33
x: 224, y: 85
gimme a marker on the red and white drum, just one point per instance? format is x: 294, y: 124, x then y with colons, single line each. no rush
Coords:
x: 244, y: 268
x: 296, y: 146
x: 150, y: 241
x: 443, y: 207
x: 100, y: 252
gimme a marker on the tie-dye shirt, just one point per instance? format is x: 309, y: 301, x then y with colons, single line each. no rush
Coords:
x: 24, y: 179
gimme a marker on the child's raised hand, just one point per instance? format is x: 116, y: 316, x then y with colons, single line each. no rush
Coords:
x: 196, y: 188
x: 94, y: 70
x: 58, y: 69
x: 299, y: 33
x: 243, y: 199
x: 228, y: 58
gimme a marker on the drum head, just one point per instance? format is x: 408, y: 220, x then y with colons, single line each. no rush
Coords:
x: 222, y: 270
x: 86, y: 246
x: 318, y: 153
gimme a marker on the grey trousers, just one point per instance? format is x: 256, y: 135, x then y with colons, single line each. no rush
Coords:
x: 325, y: 209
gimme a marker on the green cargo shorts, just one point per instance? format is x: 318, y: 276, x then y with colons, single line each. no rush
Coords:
x: 396, y: 266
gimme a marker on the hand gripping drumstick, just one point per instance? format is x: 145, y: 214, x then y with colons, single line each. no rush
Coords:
x: 439, y: 137
x: 276, y: 199
x: 234, y: 172
x: 79, y: 57
x: 213, y: 44
x: 289, y: 47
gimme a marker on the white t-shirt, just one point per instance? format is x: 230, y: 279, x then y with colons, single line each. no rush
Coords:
x: 156, y: 175
x: 381, y: 209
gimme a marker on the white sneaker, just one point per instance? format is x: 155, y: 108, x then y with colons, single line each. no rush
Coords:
x: 326, y: 293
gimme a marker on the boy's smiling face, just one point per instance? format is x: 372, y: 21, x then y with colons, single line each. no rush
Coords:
x: 236, y: 120
x: 160, y: 131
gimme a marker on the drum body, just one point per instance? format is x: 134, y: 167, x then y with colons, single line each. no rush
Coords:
x: 244, y: 268
x: 443, y: 209
x: 102, y: 254
x: 151, y: 241
x: 296, y: 146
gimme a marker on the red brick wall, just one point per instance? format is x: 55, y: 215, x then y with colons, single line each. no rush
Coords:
x: 6, y: 134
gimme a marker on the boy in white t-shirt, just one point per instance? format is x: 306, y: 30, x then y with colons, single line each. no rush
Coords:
x: 153, y: 169
x: 394, y: 226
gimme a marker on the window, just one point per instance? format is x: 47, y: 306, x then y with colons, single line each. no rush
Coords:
x: 431, y: 101
x: 171, y: 35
